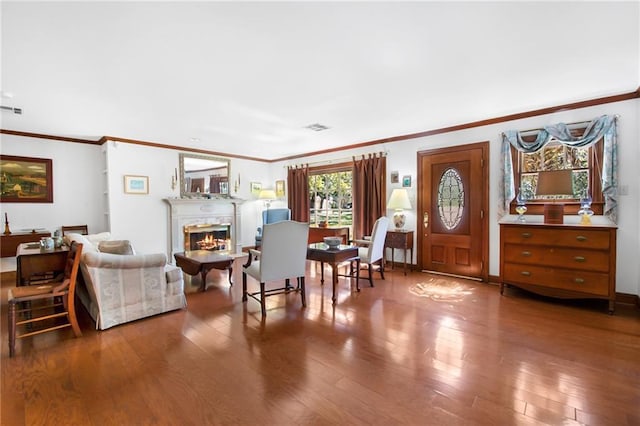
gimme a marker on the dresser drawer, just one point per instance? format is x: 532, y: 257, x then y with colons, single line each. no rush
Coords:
x: 566, y: 279
x: 589, y: 238
x: 563, y: 257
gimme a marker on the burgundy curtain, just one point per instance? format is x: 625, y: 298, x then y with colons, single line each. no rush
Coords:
x: 369, y: 193
x: 298, y: 198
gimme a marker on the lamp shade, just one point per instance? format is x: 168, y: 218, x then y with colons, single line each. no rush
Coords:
x: 555, y: 182
x: 399, y: 199
x: 267, y: 194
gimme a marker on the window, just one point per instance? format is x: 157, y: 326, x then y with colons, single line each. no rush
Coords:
x: 583, y: 162
x: 331, y: 197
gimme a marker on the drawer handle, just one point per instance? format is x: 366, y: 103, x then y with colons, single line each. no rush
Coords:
x: 581, y: 238
x: 579, y: 259
x: 579, y: 280
x: 526, y: 253
x: 526, y: 235
x: 525, y: 273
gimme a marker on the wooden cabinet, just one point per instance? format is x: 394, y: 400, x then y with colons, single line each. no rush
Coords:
x: 9, y: 243
x: 317, y: 234
x: 400, y: 240
x: 565, y: 261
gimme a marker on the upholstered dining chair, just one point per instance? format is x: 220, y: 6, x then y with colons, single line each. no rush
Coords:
x: 51, y: 306
x: 371, y: 248
x: 283, y: 256
x: 271, y: 216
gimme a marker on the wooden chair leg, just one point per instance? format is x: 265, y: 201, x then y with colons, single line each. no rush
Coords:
x: 244, y: 287
x: 302, y: 292
x: 382, y: 269
x: 370, y: 269
x: 12, y: 328
x: 73, y: 319
x: 262, y: 300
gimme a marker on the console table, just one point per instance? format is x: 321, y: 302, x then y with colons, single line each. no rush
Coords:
x: 9, y: 242
x: 400, y: 240
x: 317, y: 234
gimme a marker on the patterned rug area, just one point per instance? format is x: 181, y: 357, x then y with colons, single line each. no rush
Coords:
x: 442, y: 289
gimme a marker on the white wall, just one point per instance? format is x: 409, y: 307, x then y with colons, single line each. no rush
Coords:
x: 402, y: 157
x: 143, y: 219
x: 77, y: 185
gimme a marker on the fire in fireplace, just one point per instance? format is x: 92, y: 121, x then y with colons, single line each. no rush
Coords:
x: 207, y: 237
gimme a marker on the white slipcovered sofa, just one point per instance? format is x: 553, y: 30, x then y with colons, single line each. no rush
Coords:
x: 121, y: 286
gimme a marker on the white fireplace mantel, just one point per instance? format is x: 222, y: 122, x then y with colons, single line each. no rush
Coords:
x: 192, y: 211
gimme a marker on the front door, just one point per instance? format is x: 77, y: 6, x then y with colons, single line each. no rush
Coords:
x: 452, y: 206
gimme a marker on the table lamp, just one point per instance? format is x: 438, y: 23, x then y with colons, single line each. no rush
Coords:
x: 399, y: 201
x: 554, y: 183
x: 267, y: 195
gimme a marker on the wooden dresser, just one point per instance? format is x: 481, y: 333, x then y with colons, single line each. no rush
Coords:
x: 566, y: 261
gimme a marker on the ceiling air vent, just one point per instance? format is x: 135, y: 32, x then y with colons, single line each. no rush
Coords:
x: 316, y: 127
x: 8, y: 108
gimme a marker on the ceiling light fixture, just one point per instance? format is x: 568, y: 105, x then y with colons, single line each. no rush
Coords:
x: 317, y: 127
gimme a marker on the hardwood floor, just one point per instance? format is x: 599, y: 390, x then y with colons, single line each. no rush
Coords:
x: 419, y: 349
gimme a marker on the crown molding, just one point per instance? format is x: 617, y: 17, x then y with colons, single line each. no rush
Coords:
x: 517, y: 116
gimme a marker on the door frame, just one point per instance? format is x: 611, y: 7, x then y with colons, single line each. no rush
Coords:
x: 484, y: 202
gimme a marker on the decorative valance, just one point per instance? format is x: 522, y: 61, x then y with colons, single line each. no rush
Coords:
x: 601, y: 127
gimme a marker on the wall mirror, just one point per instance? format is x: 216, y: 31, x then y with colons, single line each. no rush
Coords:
x: 203, y: 175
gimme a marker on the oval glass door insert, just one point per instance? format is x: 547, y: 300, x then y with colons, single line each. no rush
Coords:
x: 450, y: 198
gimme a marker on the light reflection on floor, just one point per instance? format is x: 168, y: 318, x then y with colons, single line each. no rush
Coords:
x: 441, y: 290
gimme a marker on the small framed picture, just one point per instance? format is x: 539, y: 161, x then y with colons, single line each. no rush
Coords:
x: 136, y: 184
x: 406, y: 181
x: 256, y: 187
x: 279, y: 188
x: 395, y: 178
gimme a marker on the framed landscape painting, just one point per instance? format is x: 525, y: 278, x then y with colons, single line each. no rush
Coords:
x: 25, y: 179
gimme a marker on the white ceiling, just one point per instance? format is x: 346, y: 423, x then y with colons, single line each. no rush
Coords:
x: 246, y: 78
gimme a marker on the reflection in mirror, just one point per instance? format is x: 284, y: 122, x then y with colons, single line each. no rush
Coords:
x: 201, y: 175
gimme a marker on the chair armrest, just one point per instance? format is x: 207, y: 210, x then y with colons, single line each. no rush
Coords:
x: 119, y: 261
x: 253, y: 254
x: 362, y: 242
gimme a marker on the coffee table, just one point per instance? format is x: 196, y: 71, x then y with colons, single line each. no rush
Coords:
x: 321, y: 252
x: 196, y: 262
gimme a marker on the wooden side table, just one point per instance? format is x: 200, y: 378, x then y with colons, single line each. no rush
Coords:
x: 34, y: 266
x: 400, y: 240
x: 9, y: 242
x: 196, y: 262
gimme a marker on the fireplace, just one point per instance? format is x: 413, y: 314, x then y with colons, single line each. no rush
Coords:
x: 190, y: 217
x: 212, y: 237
